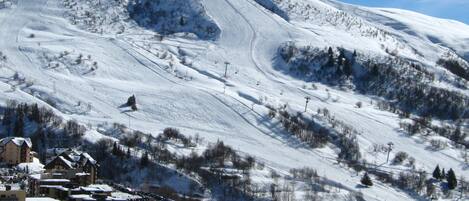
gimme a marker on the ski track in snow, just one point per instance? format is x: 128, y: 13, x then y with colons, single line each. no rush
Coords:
x: 201, y: 105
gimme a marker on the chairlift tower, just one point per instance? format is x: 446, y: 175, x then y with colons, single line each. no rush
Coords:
x: 226, y: 68
x: 307, y: 98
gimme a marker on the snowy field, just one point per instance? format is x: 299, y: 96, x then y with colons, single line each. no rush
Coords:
x: 179, y: 80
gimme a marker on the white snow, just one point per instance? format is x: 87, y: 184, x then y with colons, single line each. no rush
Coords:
x: 195, y: 97
x: 34, y: 167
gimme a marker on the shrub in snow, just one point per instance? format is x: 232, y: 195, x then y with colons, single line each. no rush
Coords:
x: 359, y: 104
x: 438, y: 144
x: 366, y: 180
x: 400, y: 158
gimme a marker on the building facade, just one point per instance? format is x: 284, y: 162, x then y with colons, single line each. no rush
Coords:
x: 15, y: 150
x: 7, y: 194
x: 79, y: 167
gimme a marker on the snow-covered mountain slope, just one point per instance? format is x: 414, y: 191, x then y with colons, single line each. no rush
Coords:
x: 407, y: 24
x: 84, y: 58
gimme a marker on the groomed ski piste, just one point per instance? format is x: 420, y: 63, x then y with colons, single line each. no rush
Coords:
x: 179, y: 81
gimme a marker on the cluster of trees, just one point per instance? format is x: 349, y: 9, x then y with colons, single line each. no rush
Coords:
x: 80, y: 64
x: 216, y: 156
x: 16, y: 115
x: 309, y: 132
x: 212, y: 164
x: 90, y: 15
x: 408, y: 85
x: 121, y: 164
x: 450, y: 177
x: 317, y: 135
x: 145, y: 153
x: 174, y: 134
x: 312, y: 63
x: 393, y: 78
x: 417, y: 181
x: 45, y: 129
x: 455, y: 67
x: 423, y: 125
x: 168, y: 17
x: 341, y: 63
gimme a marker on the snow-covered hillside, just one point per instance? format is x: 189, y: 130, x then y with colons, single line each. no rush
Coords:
x: 214, y: 67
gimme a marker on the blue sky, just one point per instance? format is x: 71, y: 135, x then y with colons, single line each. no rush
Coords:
x: 450, y: 9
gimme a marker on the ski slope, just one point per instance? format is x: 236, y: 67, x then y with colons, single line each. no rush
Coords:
x: 230, y: 109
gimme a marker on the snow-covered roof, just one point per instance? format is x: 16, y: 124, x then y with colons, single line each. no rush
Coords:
x: 124, y: 196
x: 89, y: 158
x: 97, y: 187
x: 73, y: 157
x: 35, y: 176
x: 82, y: 174
x: 66, y: 162
x: 54, y: 187
x: 19, y: 141
x: 34, y: 167
x: 55, y: 180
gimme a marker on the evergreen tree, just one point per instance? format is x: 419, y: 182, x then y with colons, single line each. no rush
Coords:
x: 437, y: 173
x: 131, y: 101
x: 375, y: 70
x: 144, y: 160
x: 330, y: 52
x: 18, y: 130
x: 35, y: 114
x: 451, y: 178
x: 457, y: 135
x: 348, y: 67
x: 182, y: 21
x: 366, y: 180
x: 330, y: 60
x: 115, y: 149
x: 443, y: 174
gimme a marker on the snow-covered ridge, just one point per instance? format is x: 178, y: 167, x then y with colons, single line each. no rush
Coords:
x: 448, y: 33
x: 402, y: 33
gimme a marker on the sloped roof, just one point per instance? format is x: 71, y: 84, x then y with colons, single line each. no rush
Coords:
x: 74, y: 158
x: 88, y: 158
x: 68, y: 163
x: 19, y: 141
